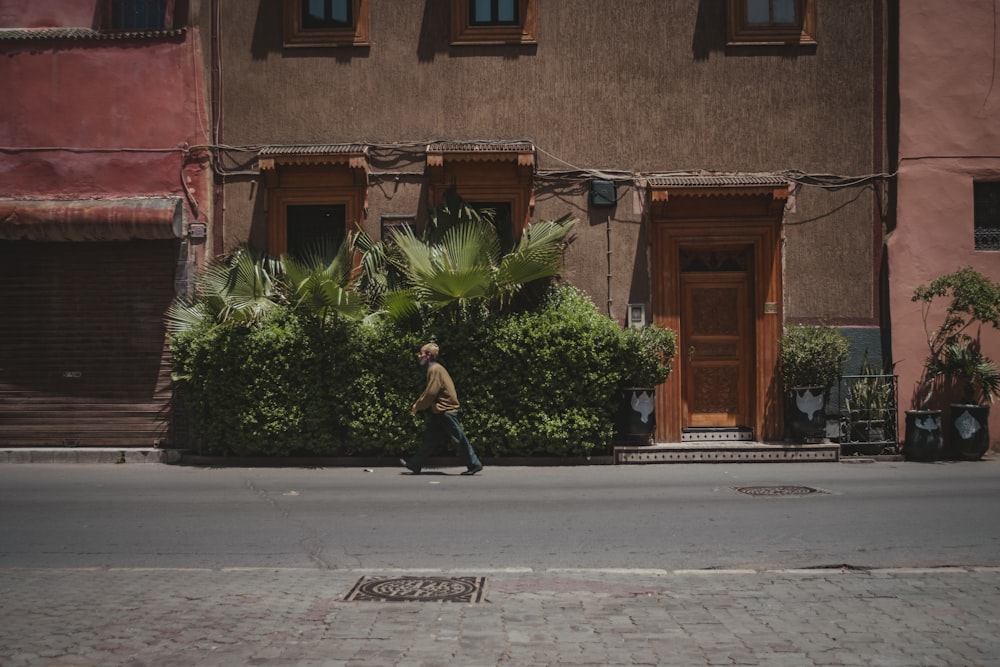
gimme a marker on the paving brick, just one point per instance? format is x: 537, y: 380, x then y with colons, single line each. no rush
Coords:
x: 295, y: 617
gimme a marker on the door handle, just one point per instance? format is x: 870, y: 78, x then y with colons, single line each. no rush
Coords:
x: 691, y: 353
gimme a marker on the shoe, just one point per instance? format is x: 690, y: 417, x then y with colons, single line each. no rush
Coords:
x: 472, y: 470
x: 414, y: 469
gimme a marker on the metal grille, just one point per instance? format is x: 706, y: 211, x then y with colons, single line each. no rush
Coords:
x: 987, y: 238
x: 418, y: 589
x: 777, y: 490
x: 868, y: 408
x: 85, y: 357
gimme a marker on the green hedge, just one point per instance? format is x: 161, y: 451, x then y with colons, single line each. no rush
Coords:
x: 280, y: 388
x: 543, y: 382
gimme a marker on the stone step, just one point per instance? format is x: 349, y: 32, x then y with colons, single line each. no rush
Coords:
x: 726, y: 452
x: 717, y: 435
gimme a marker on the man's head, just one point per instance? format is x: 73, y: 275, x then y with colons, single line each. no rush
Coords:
x: 428, y: 353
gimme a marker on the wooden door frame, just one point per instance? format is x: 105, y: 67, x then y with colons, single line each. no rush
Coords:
x: 719, y: 216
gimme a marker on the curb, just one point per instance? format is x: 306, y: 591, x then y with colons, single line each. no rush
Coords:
x: 90, y: 455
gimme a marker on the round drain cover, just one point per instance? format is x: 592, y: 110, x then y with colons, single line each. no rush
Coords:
x: 776, y: 490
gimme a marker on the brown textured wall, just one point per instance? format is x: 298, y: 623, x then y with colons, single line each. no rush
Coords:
x: 632, y: 85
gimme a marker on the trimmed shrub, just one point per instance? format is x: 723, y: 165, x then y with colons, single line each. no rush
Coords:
x: 387, y: 380
x: 542, y: 382
x: 278, y: 388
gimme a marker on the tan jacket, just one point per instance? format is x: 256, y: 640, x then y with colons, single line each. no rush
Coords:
x: 440, y: 395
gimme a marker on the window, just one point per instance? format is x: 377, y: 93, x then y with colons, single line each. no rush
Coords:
x: 139, y: 15
x: 322, y: 23
x: 772, y: 22
x: 499, y: 212
x: 393, y: 224
x: 493, y: 12
x: 314, y: 194
x: 493, y: 21
x: 987, y: 215
x: 496, y: 176
x: 310, y: 226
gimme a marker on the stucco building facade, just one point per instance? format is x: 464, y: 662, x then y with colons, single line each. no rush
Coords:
x: 105, y: 199
x: 727, y: 159
x: 744, y: 151
x: 949, y: 170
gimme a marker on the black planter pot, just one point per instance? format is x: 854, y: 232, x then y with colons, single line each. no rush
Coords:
x: 924, y: 439
x: 969, y: 431
x: 636, y: 422
x: 805, y: 413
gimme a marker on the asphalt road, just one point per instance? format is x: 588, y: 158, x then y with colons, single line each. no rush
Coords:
x: 674, y: 517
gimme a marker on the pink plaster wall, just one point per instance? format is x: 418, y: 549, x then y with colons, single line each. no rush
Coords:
x: 116, y: 114
x: 949, y: 137
x: 47, y: 13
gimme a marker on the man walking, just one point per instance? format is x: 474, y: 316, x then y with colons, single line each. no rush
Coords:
x: 441, y: 399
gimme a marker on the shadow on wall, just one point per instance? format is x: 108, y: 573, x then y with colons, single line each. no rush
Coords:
x: 710, y: 37
x: 709, y: 29
x: 435, y: 38
x: 641, y: 278
x: 268, y: 38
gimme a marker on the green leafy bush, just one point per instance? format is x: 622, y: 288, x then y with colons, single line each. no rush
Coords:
x: 812, y: 355
x: 541, y: 382
x: 955, y: 356
x: 387, y: 380
x: 280, y: 387
x: 647, y: 355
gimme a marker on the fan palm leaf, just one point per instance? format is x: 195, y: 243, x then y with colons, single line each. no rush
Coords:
x: 242, y: 288
x: 322, y: 281
x: 458, y: 269
x: 537, y: 255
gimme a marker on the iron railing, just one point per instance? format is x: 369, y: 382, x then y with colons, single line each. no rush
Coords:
x: 868, y: 408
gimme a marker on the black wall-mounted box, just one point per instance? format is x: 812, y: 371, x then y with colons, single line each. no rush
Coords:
x: 602, y: 193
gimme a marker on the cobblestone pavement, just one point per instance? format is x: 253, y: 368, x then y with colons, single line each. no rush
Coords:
x: 174, y: 617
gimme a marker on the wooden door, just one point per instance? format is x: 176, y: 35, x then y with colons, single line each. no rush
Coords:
x: 715, y: 351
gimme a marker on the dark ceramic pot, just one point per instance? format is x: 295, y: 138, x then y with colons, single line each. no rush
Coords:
x: 636, y: 423
x: 969, y: 431
x: 805, y: 413
x: 924, y: 440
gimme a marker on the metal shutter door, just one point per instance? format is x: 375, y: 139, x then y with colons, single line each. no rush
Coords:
x: 83, y: 356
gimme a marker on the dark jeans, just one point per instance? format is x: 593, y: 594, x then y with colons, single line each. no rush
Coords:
x: 443, y: 428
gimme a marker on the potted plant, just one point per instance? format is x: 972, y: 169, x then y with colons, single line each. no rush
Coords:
x: 811, y: 360
x: 963, y: 363
x: 955, y: 363
x: 870, y: 407
x: 647, y: 355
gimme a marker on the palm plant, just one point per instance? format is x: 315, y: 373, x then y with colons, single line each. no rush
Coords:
x: 243, y: 287
x: 323, y: 281
x: 952, y: 352
x: 457, y: 264
x: 249, y: 285
x: 963, y: 362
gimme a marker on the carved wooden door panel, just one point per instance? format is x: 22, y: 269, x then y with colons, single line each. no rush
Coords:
x: 714, y: 349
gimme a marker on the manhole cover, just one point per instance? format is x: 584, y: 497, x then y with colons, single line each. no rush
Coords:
x: 776, y: 490
x: 418, y: 589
